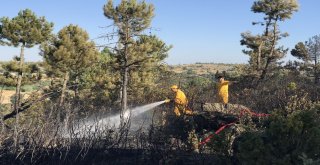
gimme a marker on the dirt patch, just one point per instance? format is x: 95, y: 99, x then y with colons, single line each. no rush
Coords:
x: 6, y: 96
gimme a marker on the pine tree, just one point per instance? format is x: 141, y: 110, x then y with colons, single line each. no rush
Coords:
x: 309, y: 52
x: 25, y: 30
x: 263, y: 50
x: 69, y: 54
x: 135, y: 53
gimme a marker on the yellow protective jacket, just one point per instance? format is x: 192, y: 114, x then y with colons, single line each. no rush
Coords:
x: 180, y: 98
x: 181, y: 104
x: 223, y: 92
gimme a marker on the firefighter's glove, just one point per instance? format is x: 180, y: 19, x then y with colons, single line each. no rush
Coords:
x: 167, y: 100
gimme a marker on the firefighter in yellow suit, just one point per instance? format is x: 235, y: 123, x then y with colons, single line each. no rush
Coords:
x: 180, y: 102
x: 181, y: 109
x: 223, y: 90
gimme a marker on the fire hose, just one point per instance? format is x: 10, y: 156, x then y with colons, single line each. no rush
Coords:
x: 242, y: 112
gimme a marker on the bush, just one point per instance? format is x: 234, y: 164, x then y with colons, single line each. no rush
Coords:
x: 28, y: 88
x: 7, y: 81
x: 287, y: 138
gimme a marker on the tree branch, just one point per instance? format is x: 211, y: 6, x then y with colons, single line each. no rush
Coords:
x: 139, y: 61
x: 26, y: 105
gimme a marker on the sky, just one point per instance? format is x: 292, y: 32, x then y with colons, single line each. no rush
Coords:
x: 203, y: 31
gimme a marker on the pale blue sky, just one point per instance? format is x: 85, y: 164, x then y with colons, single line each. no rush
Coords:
x: 200, y: 31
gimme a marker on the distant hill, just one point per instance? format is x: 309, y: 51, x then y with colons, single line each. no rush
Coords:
x: 204, y: 68
x: 194, y: 69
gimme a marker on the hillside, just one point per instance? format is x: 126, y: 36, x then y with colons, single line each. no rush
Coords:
x: 197, y: 68
x: 204, y: 68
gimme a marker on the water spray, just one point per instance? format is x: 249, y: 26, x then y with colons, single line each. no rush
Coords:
x: 92, y: 126
x: 139, y: 110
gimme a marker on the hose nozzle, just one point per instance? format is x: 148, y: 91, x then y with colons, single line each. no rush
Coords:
x: 167, y: 100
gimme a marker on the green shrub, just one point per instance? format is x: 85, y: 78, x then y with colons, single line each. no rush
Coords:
x: 28, y: 88
x: 285, y: 139
x: 7, y: 81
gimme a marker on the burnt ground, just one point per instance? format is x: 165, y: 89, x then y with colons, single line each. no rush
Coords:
x: 115, y: 156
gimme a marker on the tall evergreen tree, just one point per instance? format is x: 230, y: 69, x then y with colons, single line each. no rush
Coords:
x: 131, y: 18
x: 263, y: 50
x: 69, y: 54
x: 309, y: 52
x: 25, y: 30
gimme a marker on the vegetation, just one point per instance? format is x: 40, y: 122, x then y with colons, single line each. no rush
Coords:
x: 69, y: 55
x: 309, y: 52
x: 263, y: 50
x: 136, y: 54
x: 24, y: 30
x: 273, y: 116
x: 289, y: 136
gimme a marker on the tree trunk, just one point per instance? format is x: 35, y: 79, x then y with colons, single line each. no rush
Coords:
x: 264, y: 71
x: 18, y: 87
x: 124, y: 99
x: 316, y: 75
x: 316, y: 67
x: 259, y: 56
x: 64, y: 88
x: 125, y: 70
x: 76, y: 88
x: 66, y: 121
x: 18, y: 95
x: 3, y: 127
x: 270, y: 56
